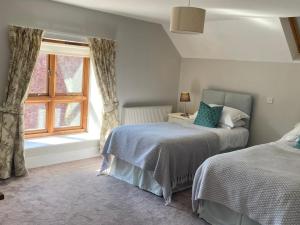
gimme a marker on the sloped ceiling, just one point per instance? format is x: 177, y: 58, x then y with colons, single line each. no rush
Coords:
x: 234, y: 29
x: 250, y: 39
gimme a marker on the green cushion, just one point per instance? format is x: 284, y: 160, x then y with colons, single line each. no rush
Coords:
x: 208, y: 116
x: 298, y: 144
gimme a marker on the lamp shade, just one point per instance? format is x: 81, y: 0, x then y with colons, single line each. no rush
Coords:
x: 185, y: 97
x: 187, y: 20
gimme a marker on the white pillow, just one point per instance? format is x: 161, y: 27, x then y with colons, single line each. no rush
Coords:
x: 231, y: 115
x: 293, y: 135
x: 193, y: 116
x: 239, y: 123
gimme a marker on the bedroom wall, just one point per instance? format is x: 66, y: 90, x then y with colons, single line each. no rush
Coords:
x: 147, y: 65
x: 261, y: 79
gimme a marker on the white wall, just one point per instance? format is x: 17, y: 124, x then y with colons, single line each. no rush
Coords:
x: 278, y: 80
x: 147, y: 62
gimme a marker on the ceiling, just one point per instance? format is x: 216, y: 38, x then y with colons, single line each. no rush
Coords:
x: 158, y: 10
x: 234, y: 29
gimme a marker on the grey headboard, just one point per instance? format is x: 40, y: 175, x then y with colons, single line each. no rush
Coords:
x: 239, y: 101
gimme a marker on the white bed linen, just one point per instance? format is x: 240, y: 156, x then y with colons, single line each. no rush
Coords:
x: 229, y: 138
x: 232, y: 139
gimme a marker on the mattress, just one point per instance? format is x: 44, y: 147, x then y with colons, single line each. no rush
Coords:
x: 229, y: 140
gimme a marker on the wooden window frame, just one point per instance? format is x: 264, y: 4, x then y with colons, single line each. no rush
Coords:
x: 53, y: 98
x: 296, y: 31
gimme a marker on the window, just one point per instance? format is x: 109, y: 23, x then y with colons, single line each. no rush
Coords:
x: 57, y: 100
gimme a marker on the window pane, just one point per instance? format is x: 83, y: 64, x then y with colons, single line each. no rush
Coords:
x: 67, y: 114
x: 35, y: 117
x: 69, y: 74
x: 39, y: 80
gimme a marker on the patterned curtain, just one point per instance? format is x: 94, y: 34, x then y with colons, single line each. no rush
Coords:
x: 104, y: 55
x: 24, y: 45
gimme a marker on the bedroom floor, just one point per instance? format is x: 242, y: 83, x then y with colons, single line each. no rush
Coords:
x: 71, y: 193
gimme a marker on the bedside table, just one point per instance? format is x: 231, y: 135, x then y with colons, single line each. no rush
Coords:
x: 177, y: 118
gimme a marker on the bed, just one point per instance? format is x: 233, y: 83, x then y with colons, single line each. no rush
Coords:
x: 163, y: 157
x: 257, y: 185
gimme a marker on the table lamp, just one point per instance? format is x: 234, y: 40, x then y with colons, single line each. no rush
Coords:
x: 185, y: 97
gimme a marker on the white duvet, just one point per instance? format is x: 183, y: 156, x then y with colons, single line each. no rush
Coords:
x: 229, y: 138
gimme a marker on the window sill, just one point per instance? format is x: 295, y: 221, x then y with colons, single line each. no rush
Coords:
x: 51, y: 150
x: 32, y: 143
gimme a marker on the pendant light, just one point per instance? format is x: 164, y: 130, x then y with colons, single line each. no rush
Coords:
x: 187, y: 20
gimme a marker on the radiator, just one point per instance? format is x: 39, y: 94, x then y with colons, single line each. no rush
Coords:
x: 146, y: 114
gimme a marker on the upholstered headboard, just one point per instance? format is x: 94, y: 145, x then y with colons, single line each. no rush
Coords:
x: 239, y: 101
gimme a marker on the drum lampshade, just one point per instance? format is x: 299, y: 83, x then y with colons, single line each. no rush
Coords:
x: 187, y: 20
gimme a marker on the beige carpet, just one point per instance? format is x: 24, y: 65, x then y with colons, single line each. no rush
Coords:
x: 71, y: 193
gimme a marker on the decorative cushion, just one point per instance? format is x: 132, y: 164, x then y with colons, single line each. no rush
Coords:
x: 208, y: 116
x: 298, y: 144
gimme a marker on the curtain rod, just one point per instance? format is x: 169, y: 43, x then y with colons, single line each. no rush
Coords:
x: 59, y: 41
x: 64, y: 36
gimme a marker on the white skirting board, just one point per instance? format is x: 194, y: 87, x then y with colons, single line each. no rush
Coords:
x: 59, y: 153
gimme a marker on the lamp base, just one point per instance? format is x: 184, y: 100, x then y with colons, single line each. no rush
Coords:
x: 185, y: 114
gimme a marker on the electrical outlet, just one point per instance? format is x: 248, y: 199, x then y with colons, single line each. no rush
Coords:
x: 270, y: 100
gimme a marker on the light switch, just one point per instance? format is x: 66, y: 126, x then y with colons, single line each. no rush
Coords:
x: 270, y: 100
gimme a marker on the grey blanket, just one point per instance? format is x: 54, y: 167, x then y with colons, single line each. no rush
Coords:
x: 262, y: 182
x: 171, y: 151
